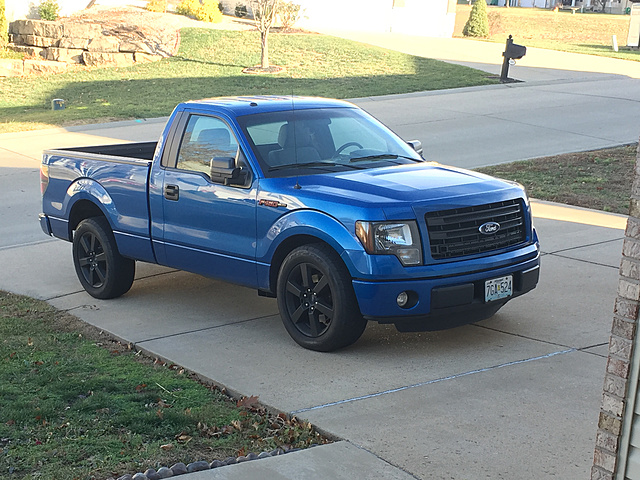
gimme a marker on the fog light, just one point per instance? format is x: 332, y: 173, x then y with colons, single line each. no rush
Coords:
x: 402, y: 299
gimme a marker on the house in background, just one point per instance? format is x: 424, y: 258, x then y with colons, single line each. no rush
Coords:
x: 431, y: 18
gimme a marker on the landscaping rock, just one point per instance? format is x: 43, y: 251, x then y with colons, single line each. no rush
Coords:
x: 216, y: 464
x: 68, y: 55
x: 96, y: 59
x: 73, y: 42
x: 81, y: 30
x: 139, y: 476
x: 28, y: 51
x: 145, y: 58
x: 40, y: 28
x: 125, y: 477
x: 131, y: 46
x: 179, y: 469
x: 43, y: 67
x: 164, y: 472
x: 11, y: 68
x: 104, y: 44
x: 198, y: 466
x: 151, y: 474
x: 34, y: 41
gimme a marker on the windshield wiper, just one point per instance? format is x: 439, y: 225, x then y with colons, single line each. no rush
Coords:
x: 383, y: 156
x: 326, y: 165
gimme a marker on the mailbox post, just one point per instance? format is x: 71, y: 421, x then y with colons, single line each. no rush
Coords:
x: 511, y: 52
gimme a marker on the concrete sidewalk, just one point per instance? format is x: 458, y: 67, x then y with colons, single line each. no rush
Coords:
x: 514, y: 397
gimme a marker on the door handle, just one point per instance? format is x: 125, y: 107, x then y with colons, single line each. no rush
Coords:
x: 171, y: 192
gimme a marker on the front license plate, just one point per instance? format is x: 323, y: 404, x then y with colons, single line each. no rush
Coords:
x: 498, y: 288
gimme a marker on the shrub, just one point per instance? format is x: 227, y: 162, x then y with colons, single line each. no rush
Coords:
x: 209, y: 11
x: 241, y: 10
x: 48, y: 9
x: 289, y: 14
x: 3, y: 25
x: 478, y: 23
x: 188, y: 7
x: 159, y: 6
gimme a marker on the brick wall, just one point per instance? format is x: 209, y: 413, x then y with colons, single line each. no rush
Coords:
x: 623, y: 332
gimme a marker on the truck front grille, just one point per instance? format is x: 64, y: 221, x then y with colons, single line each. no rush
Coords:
x: 456, y: 232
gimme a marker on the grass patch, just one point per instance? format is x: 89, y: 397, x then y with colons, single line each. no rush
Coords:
x: 76, y: 404
x: 210, y: 63
x: 588, y: 33
x: 599, y: 179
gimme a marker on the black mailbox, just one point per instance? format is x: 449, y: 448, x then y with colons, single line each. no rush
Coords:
x: 515, y: 51
x: 511, y: 52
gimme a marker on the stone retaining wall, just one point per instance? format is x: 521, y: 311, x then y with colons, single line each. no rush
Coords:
x: 76, y: 43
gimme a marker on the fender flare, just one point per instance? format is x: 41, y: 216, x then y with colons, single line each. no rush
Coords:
x: 92, y: 191
x: 298, y: 228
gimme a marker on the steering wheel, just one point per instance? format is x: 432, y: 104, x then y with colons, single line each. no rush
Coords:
x: 346, y: 145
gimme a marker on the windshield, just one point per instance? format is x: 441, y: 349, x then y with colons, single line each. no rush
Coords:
x: 307, y: 142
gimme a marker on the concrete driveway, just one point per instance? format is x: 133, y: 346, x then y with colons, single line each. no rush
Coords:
x: 514, y: 397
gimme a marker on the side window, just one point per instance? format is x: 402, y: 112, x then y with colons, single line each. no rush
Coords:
x: 205, y: 138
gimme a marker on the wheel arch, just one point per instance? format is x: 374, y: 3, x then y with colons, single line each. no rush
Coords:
x: 81, y: 210
x: 285, y: 248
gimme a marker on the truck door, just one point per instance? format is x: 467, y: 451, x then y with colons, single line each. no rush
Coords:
x: 208, y: 227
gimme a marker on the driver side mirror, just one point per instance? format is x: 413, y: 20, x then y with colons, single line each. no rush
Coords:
x: 416, y: 145
x: 224, y: 171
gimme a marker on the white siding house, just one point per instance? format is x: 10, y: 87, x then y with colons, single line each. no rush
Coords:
x: 433, y: 18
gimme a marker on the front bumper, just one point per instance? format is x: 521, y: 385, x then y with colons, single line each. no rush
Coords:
x: 444, y: 302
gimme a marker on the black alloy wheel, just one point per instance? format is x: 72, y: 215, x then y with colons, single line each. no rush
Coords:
x: 316, y: 299
x: 102, y: 271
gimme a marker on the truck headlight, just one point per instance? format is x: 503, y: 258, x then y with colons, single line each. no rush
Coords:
x: 392, y: 238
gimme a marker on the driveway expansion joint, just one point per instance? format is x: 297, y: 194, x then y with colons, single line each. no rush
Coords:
x: 431, y: 382
x: 204, y: 329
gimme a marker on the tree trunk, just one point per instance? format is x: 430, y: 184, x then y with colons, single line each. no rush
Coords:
x: 265, y: 49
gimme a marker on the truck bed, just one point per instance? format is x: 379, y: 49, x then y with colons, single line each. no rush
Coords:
x: 136, y: 151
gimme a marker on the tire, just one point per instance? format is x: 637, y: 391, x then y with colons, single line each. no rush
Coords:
x: 316, y: 299
x: 102, y: 271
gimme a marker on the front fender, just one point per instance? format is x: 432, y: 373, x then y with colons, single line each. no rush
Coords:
x: 305, y: 225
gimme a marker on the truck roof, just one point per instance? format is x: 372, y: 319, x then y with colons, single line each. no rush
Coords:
x: 245, y: 105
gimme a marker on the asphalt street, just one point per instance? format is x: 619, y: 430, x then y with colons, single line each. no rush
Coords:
x: 513, y: 397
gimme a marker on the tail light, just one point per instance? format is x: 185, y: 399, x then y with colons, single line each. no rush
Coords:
x: 44, y: 177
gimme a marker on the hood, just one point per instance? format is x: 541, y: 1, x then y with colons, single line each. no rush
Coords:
x: 413, y: 184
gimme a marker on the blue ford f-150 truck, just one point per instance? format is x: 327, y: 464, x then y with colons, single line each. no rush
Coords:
x: 309, y: 200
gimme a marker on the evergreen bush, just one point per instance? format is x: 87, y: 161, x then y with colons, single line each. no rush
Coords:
x: 478, y: 23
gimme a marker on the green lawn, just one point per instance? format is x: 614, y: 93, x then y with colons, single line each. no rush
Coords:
x: 599, y: 179
x: 588, y: 33
x: 210, y: 63
x: 77, y: 405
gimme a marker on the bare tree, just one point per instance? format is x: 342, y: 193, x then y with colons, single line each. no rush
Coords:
x: 264, y: 14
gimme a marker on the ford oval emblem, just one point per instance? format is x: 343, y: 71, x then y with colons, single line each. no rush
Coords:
x: 489, y: 228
